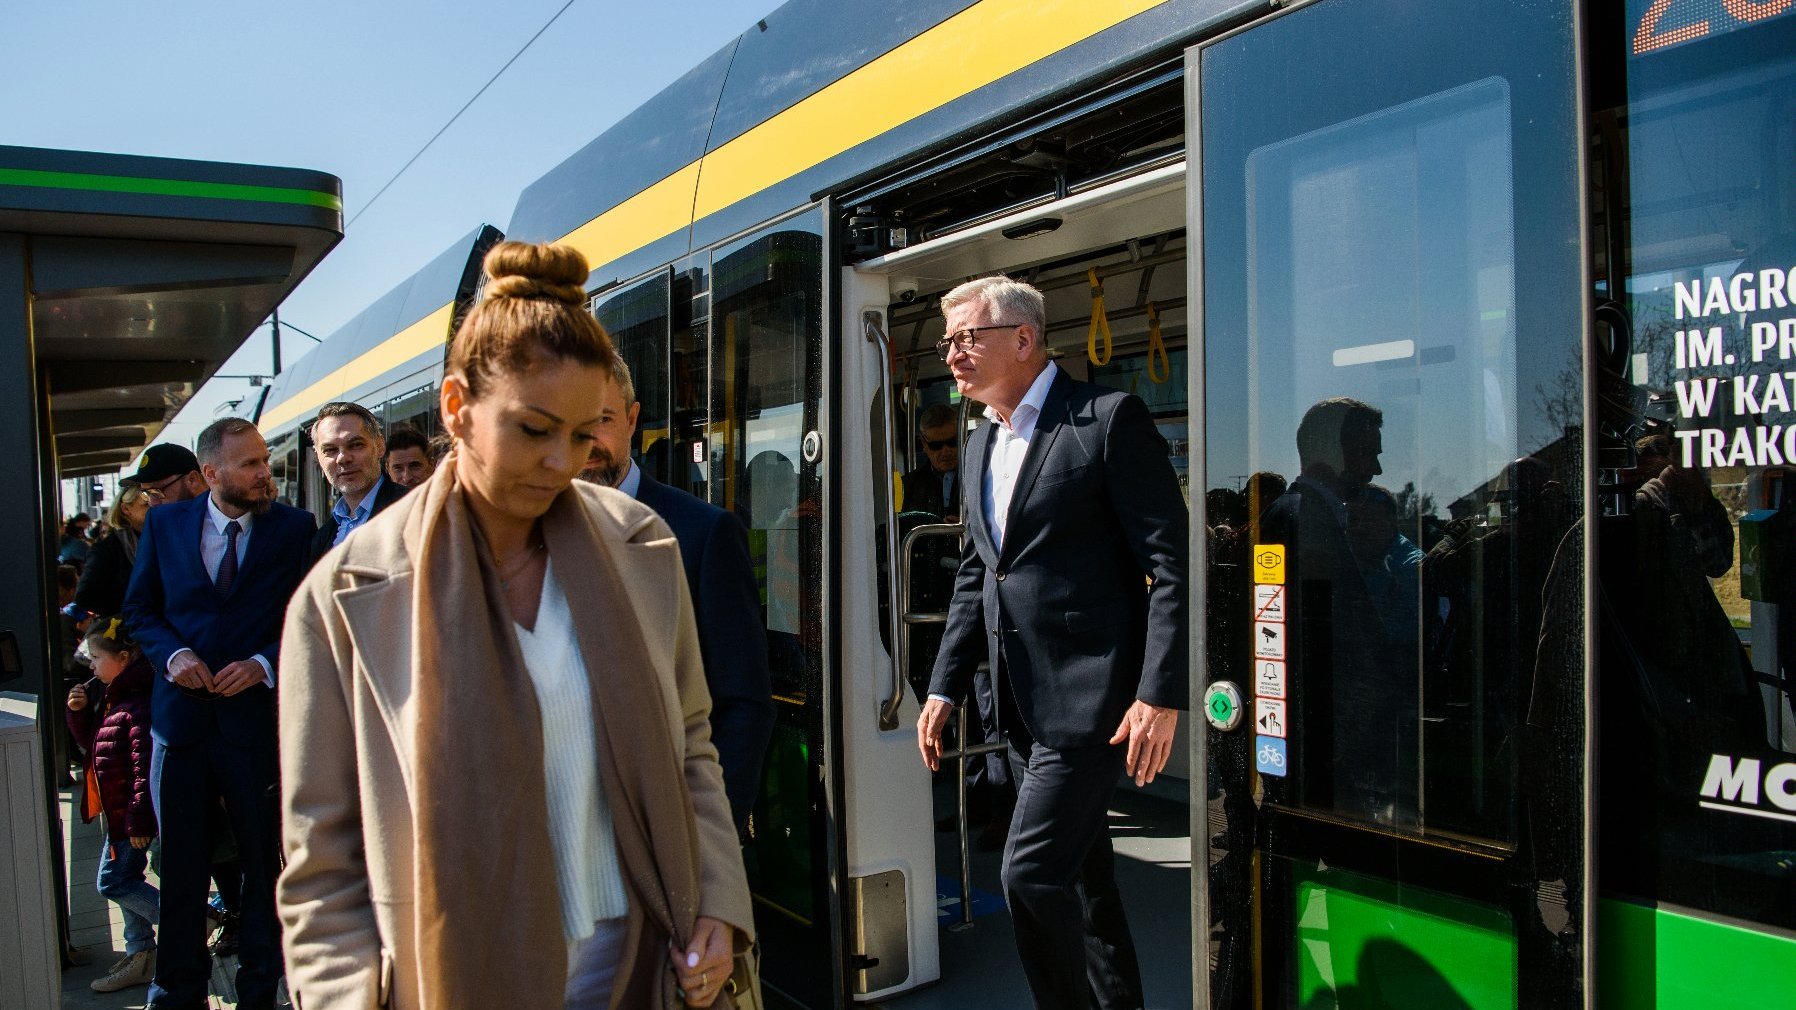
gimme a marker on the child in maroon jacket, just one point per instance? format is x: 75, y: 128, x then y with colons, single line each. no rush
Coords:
x: 113, y: 730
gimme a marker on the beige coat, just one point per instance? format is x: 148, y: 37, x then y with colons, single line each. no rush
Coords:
x: 347, y: 718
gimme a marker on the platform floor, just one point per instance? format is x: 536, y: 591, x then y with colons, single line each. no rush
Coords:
x: 1153, y: 868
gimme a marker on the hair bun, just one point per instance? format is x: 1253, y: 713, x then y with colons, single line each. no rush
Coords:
x: 529, y: 270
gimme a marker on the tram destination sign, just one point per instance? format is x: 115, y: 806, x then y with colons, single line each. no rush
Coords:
x: 1659, y: 25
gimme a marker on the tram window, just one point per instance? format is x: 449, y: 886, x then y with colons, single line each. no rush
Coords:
x: 1365, y: 316
x: 636, y: 317
x: 1698, y: 549
x: 1162, y: 386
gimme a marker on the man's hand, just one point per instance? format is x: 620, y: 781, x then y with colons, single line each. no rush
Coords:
x: 239, y: 677
x: 187, y: 670
x: 929, y: 731
x: 705, y: 965
x: 1149, y: 730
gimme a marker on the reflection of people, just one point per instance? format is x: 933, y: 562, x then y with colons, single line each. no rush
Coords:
x: 1072, y: 586
x: 930, y: 487
x: 214, y: 575
x: 721, y: 581
x: 1390, y: 562
x: 1355, y: 671
x: 546, y: 766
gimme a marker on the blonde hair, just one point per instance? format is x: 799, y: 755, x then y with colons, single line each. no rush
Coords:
x: 533, y: 309
x: 128, y: 494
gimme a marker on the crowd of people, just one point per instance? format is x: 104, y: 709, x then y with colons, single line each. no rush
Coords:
x: 515, y: 696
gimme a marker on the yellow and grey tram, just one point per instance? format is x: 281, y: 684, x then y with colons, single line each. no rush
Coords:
x: 1504, y: 724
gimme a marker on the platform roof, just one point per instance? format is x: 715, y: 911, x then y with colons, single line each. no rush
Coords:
x: 144, y: 275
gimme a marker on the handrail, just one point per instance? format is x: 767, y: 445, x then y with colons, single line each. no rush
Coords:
x: 873, y: 331
x: 888, y: 713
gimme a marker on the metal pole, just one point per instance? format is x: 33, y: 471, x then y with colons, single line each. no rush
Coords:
x: 960, y: 790
x: 277, y: 341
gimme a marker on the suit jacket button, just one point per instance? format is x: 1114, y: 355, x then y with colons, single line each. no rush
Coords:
x: 1000, y: 575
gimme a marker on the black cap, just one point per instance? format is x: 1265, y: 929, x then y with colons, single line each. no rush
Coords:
x: 160, y: 462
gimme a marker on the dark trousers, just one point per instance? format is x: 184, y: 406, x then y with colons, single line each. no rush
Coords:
x: 194, y: 779
x: 1060, y: 881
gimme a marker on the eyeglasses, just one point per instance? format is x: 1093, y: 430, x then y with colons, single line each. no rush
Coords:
x: 965, y: 339
x: 937, y: 444
x: 159, y: 491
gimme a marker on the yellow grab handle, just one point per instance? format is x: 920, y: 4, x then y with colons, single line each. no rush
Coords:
x: 1100, y: 323
x: 1157, y: 372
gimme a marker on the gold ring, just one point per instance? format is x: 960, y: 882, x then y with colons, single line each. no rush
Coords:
x: 704, y: 979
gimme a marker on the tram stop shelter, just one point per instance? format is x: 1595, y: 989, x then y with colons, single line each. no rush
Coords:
x: 125, y: 282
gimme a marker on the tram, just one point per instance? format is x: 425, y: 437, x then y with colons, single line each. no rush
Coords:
x: 1488, y: 702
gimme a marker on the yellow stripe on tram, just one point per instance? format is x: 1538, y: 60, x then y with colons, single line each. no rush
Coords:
x: 982, y: 44
x: 970, y: 50
x: 430, y: 332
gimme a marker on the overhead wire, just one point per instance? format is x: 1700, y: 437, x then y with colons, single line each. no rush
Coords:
x: 458, y: 114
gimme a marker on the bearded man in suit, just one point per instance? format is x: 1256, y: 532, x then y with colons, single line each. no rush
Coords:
x: 726, y: 603
x: 207, y: 599
x: 1072, y: 586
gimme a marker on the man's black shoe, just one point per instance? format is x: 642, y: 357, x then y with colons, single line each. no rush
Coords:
x: 225, y: 943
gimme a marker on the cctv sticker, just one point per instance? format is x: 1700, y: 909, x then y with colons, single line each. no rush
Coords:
x: 1269, y: 564
x: 1268, y: 640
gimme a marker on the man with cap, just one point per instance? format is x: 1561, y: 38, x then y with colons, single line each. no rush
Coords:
x: 168, y: 473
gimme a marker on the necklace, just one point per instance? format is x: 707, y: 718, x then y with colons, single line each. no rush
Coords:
x: 518, y: 565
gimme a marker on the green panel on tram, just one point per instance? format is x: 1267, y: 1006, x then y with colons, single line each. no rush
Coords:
x: 1361, y: 941
x: 1666, y: 961
x: 779, y: 853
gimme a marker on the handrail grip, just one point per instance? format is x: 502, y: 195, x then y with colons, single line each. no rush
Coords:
x: 874, y: 332
x: 901, y: 650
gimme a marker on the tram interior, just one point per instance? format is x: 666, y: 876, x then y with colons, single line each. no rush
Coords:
x: 1132, y: 244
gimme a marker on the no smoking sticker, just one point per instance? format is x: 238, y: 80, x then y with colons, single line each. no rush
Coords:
x: 1269, y: 603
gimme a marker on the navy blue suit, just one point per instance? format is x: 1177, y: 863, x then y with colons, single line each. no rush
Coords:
x: 732, y: 634
x: 215, y: 748
x: 1065, y: 610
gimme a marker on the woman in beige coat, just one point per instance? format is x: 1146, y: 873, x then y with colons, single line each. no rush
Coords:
x: 498, y: 783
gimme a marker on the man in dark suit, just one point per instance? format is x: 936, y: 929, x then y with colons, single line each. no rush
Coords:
x: 725, y: 601
x: 931, y: 487
x: 207, y: 597
x: 1072, y: 586
x: 347, y: 439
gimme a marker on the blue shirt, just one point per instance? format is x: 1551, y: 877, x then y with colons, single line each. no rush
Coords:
x: 346, y: 522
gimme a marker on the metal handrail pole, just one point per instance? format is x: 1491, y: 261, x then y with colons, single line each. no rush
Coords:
x: 966, y: 854
x: 902, y: 617
x: 888, y: 712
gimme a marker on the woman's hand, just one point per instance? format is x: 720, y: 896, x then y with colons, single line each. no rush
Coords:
x: 77, y: 698
x: 704, y: 966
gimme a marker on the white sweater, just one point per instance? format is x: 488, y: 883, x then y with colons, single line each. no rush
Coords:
x: 586, y: 865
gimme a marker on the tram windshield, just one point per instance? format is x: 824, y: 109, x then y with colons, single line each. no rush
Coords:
x: 1697, y: 618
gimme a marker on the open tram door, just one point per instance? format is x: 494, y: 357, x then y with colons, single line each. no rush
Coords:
x: 1388, y: 264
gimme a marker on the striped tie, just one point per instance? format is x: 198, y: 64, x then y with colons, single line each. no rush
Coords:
x: 227, y: 569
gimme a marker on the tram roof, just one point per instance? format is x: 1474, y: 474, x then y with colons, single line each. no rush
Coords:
x: 145, y: 274
x: 822, y: 93
x: 403, y: 331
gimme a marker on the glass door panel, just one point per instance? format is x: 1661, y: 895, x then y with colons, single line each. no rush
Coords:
x: 765, y: 365
x: 1392, y: 288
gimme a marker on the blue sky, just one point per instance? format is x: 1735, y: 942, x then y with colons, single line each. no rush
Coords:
x: 353, y: 89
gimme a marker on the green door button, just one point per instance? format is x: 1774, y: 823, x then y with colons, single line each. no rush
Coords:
x: 1222, y: 705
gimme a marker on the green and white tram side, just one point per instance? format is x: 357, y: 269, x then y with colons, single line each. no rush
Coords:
x: 1530, y: 739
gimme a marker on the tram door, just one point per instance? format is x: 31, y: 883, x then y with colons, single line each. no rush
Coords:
x: 1390, y: 274
x: 726, y: 350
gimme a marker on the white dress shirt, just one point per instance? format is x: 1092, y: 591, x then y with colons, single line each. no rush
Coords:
x: 1010, y: 443
x: 212, y: 547
x: 588, y: 874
